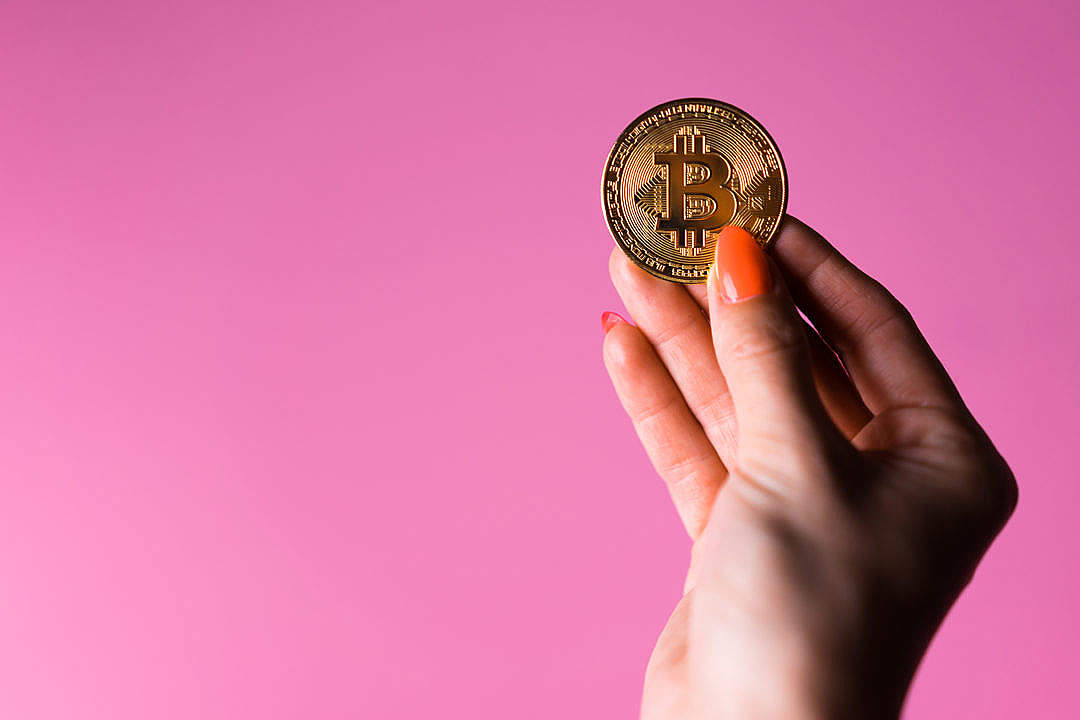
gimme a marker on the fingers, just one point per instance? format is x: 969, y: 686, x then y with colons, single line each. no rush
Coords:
x: 839, y: 396
x: 701, y: 296
x: 763, y: 352
x: 672, y: 321
x: 672, y: 437
x: 888, y: 358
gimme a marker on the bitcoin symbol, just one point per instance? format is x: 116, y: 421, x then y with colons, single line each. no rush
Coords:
x: 681, y: 171
x: 698, y: 198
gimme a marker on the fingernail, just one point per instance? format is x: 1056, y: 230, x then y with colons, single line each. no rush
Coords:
x: 609, y: 320
x: 742, y: 271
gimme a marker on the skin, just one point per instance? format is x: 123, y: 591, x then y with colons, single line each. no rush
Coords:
x: 838, y: 492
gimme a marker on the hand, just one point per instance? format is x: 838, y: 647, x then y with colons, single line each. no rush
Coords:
x: 838, y: 492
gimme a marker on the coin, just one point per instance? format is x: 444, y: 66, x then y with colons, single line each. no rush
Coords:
x: 679, y: 173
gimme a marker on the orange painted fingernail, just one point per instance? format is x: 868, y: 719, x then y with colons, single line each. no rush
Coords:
x: 609, y: 320
x: 742, y: 271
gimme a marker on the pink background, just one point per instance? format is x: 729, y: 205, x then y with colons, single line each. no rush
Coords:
x: 302, y: 412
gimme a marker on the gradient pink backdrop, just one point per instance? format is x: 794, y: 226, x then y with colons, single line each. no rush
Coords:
x: 302, y: 413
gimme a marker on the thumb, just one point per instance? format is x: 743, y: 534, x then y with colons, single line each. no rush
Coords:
x: 762, y: 350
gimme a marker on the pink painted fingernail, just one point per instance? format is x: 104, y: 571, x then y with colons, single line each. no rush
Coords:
x: 609, y: 320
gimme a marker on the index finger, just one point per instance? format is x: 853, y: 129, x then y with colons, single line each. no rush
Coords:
x: 874, y: 335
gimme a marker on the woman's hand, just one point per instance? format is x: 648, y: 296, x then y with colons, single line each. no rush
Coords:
x: 838, y: 492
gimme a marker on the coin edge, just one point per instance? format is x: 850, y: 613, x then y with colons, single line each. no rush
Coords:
x: 618, y: 138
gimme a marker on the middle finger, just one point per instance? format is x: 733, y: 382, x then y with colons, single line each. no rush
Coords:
x: 675, y: 325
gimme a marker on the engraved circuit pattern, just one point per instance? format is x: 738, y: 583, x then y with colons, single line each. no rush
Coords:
x: 680, y: 172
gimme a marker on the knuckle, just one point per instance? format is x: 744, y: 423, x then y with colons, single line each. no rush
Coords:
x: 647, y: 413
x: 717, y: 411
x: 824, y: 267
x: 874, y: 319
x: 674, y: 332
x: 991, y: 495
x: 677, y: 469
x: 684, y: 473
x: 866, y: 307
x: 1010, y: 497
x: 947, y: 428
x: 772, y: 334
x: 1006, y: 494
x: 985, y: 488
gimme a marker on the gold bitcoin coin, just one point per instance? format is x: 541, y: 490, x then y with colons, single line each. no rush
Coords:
x: 682, y: 171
